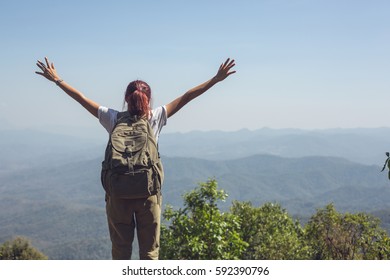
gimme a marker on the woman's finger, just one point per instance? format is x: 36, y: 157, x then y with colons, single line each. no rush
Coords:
x: 41, y: 65
x: 231, y: 63
x: 226, y: 63
x: 47, y: 62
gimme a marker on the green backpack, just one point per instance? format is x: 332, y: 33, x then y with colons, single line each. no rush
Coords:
x: 132, y: 167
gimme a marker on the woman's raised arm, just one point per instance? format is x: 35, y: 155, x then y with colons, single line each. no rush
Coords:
x: 50, y: 73
x: 223, y: 72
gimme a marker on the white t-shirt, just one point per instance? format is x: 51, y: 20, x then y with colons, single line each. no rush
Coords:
x: 108, y: 118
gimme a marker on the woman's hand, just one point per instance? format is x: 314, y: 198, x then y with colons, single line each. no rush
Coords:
x: 224, y: 70
x: 49, y: 72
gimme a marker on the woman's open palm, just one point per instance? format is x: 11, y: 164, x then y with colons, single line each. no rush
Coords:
x: 225, y: 70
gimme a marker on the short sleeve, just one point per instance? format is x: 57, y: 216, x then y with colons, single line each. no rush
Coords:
x: 107, y: 118
x: 158, y: 120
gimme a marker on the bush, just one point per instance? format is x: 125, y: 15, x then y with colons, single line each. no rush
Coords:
x: 20, y: 249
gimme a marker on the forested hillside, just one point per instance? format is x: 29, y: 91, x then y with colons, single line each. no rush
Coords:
x: 57, y: 201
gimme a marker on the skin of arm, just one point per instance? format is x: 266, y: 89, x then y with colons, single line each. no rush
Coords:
x: 223, y: 72
x: 50, y: 73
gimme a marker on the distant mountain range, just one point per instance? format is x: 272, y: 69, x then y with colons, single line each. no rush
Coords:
x: 51, y: 192
x: 300, y: 184
x: 363, y: 145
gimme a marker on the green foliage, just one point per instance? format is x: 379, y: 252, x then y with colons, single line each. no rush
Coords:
x: 270, y: 232
x: 20, y: 249
x: 200, y: 231
x: 334, y: 236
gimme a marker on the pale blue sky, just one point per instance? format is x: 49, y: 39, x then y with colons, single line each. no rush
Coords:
x: 300, y: 64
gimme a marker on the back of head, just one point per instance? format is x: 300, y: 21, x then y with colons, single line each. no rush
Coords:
x: 138, y: 96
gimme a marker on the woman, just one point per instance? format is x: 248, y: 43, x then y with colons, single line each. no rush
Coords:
x: 142, y: 213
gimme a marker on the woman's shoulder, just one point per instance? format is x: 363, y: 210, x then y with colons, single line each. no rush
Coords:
x: 158, y: 119
x: 106, y: 110
x: 159, y: 109
x: 159, y: 113
x: 107, y: 117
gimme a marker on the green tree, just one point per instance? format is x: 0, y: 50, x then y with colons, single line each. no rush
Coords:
x: 200, y: 230
x: 270, y: 232
x: 334, y: 236
x: 20, y: 249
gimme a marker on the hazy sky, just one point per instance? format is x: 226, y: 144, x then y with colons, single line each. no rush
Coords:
x: 300, y: 64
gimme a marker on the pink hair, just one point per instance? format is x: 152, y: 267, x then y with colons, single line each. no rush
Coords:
x: 138, y: 96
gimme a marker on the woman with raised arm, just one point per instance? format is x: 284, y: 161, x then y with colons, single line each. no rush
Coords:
x: 125, y: 213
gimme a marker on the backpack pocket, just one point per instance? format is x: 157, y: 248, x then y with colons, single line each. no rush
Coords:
x: 131, y: 185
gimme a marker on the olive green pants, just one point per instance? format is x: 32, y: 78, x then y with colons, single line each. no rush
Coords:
x: 126, y: 215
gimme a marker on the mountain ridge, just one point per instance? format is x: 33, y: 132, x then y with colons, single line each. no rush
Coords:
x: 53, y: 195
